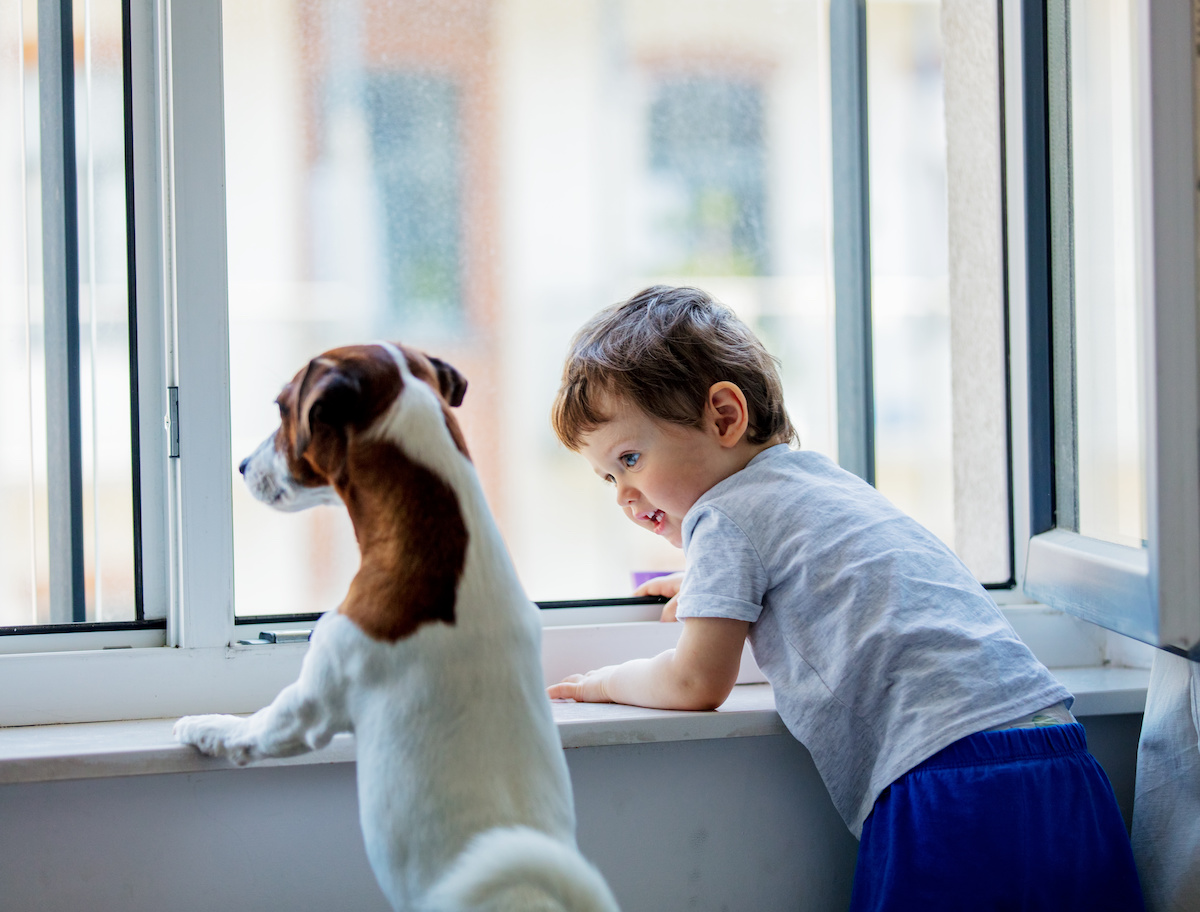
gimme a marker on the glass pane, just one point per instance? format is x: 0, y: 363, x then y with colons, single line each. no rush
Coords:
x: 105, y: 522
x: 104, y: 312
x: 939, y: 360
x: 909, y: 271
x: 23, y: 504
x: 1106, y: 237
x: 478, y: 178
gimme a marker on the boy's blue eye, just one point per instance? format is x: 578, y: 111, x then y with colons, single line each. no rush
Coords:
x: 629, y: 460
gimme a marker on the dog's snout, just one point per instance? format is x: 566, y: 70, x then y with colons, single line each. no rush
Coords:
x: 242, y: 465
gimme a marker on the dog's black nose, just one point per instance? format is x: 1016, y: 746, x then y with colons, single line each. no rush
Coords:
x: 242, y: 465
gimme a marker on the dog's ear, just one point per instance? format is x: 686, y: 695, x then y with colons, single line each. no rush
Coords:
x: 341, y: 391
x: 452, y: 384
x: 325, y: 398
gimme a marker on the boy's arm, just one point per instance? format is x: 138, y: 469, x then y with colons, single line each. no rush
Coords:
x: 698, y: 673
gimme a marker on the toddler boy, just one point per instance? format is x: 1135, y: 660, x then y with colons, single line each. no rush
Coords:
x: 947, y: 748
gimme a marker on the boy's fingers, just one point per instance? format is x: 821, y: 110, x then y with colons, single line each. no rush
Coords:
x: 562, y: 691
x: 588, y: 688
x: 654, y: 586
x: 668, y: 611
x: 661, y: 585
x: 566, y: 689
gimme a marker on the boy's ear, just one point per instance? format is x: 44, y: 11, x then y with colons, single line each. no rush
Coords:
x: 727, y: 412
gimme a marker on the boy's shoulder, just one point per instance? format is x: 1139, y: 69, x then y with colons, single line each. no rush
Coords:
x: 784, y: 492
x: 779, y: 472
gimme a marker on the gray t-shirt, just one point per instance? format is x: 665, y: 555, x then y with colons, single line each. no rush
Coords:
x: 880, y: 645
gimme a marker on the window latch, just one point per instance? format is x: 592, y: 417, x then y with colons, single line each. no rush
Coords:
x: 272, y: 637
x: 172, y: 422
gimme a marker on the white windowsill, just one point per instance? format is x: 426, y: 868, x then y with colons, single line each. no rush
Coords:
x: 47, y: 753
x: 89, y: 684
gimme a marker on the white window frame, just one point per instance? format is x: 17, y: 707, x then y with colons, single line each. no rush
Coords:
x: 1151, y: 593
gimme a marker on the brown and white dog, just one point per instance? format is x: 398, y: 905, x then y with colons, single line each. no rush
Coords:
x: 433, y: 659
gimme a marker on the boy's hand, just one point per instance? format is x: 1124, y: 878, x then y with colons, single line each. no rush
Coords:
x: 665, y: 586
x: 583, y: 688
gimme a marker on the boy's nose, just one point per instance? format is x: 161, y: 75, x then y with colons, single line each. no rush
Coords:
x: 626, y: 495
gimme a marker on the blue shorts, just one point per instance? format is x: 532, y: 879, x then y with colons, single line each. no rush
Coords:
x: 1020, y: 819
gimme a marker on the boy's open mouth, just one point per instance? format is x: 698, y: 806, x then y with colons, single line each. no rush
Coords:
x: 658, y: 517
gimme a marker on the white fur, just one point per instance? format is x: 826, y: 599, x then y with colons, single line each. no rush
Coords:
x: 266, y: 474
x: 464, y: 797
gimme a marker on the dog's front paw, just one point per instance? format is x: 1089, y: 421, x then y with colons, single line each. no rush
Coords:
x: 216, y: 736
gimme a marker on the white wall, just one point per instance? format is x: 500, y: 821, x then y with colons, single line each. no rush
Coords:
x: 741, y: 824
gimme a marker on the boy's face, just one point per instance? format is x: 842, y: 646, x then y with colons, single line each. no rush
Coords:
x: 659, y: 469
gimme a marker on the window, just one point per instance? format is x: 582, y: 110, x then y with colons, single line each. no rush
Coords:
x: 937, y: 350
x: 1109, y: 142
x: 481, y: 185
x: 478, y: 186
x: 1103, y: 115
x: 68, y: 478
x: 312, y: 173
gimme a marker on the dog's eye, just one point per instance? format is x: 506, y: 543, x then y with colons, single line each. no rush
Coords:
x: 283, y: 410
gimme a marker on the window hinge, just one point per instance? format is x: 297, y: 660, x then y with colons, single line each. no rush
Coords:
x: 171, y: 422
x: 269, y: 637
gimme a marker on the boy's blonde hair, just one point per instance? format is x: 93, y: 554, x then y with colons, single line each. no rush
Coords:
x: 662, y: 350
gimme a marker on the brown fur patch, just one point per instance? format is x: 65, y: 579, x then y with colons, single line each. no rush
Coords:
x: 407, y: 520
x: 413, y: 540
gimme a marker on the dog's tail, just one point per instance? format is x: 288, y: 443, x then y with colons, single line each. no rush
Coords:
x: 519, y: 857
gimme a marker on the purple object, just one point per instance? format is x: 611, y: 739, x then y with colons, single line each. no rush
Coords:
x: 644, y: 576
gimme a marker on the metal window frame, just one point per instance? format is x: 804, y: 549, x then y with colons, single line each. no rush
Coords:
x: 60, y: 277
x: 1150, y: 593
x: 852, y: 237
x: 199, y: 481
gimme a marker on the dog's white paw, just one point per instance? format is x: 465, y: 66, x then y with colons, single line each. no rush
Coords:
x: 216, y: 736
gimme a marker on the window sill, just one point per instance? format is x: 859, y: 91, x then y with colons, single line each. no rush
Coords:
x: 103, y: 685
x: 47, y: 753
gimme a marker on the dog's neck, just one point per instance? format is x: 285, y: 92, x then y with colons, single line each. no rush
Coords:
x: 413, y: 538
